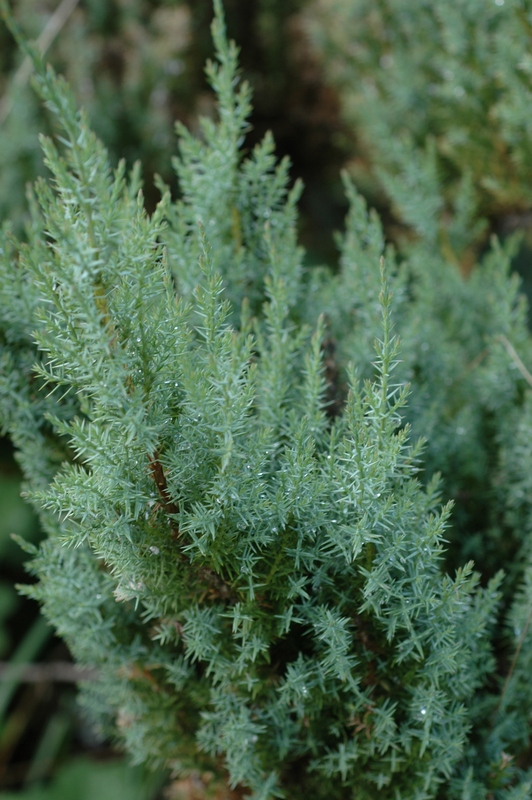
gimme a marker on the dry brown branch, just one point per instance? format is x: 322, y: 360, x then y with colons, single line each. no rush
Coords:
x: 515, y: 358
x: 514, y: 660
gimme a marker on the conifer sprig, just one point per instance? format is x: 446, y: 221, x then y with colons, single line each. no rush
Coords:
x: 260, y: 587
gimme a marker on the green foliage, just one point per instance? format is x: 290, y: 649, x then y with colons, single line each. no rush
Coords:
x: 438, y: 94
x: 461, y: 340
x: 17, y: 518
x: 88, y: 780
x: 136, y: 67
x: 119, y: 66
x: 226, y: 457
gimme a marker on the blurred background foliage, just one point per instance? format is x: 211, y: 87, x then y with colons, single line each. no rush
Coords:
x: 437, y: 96
x: 137, y: 66
x: 425, y: 103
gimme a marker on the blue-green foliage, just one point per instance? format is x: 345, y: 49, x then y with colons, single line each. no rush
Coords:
x: 465, y: 345
x: 259, y: 585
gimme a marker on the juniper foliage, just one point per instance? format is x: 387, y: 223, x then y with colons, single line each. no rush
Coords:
x: 259, y: 582
x: 438, y: 96
x: 136, y: 67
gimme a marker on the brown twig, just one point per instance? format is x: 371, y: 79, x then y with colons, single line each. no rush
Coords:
x: 476, y: 361
x: 514, y: 660
x: 217, y: 588
x: 54, y: 25
x: 159, y: 477
x: 510, y: 349
x: 515, y: 358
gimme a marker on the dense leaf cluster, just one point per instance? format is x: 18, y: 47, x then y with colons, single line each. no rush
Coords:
x: 225, y: 453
